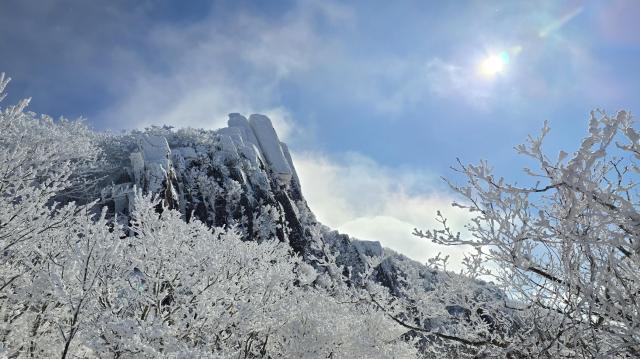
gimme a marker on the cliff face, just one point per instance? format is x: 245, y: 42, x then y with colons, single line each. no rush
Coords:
x: 240, y: 176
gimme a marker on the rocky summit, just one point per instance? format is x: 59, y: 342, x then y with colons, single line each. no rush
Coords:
x: 241, y: 176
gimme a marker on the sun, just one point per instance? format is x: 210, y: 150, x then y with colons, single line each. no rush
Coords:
x: 494, y: 64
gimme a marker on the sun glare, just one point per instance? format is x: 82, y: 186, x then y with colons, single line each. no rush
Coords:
x: 494, y: 64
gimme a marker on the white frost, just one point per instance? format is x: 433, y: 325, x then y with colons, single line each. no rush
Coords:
x: 270, y: 145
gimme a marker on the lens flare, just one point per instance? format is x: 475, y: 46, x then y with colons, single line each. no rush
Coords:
x: 556, y: 25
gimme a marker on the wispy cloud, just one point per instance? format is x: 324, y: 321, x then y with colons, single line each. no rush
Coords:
x: 369, y: 201
x: 215, y: 66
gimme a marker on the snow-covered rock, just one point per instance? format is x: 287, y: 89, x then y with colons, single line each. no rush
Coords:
x: 155, y: 150
x: 287, y: 156
x: 229, y: 176
x: 151, y: 169
x: 270, y: 146
x: 234, y: 177
x: 154, y: 155
x: 240, y: 122
x: 137, y: 166
x: 236, y: 134
x: 228, y: 145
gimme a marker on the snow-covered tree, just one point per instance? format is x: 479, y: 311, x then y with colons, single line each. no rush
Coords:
x: 39, y: 159
x: 76, y: 281
x: 565, y: 250
x: 191, y: 290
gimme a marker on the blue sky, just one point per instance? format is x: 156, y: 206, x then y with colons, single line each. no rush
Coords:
x: 388, y: 92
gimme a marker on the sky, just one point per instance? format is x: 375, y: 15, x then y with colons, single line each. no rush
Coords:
x: 376, y: 99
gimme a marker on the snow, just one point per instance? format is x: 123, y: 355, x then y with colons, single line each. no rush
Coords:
x: 287, y: 155
x: 152, y: 160
x: 270, y: 146
x: 250, y: 153
x: 137, y: 164
x: 240, y: 122
x: 228, y: 146
x: 235, y: 133
x: 155, y: 149
x: 236, y: 120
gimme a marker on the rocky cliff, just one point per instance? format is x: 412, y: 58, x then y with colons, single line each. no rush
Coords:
x: 239, y: 176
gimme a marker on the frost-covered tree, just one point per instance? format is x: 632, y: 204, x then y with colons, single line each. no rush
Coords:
x: 48, y: 312
x: 39, y: 159
x: 565, y: 250
x: 446, y: 314
x: 191, y: 290
x: 76, y: 282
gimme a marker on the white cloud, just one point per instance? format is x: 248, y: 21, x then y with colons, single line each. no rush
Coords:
x: 282, y: 122
x: 215, y: 66
x: 371, y: 202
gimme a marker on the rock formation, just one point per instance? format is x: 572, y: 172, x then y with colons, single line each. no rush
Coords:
x: 243, y: 176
